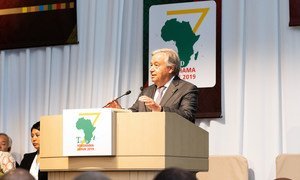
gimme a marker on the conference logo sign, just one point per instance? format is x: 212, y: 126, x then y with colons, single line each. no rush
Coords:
x: 86, y: 125
x: 88, y: 132
x: 190, y: 29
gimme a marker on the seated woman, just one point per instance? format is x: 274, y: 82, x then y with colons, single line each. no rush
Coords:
x: 31, y: 161
x: 7, y: 162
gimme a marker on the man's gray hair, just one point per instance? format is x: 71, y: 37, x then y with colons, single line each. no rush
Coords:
x: 173, y: 59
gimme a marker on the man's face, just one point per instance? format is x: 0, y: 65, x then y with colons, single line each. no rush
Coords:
x: 160, y: 72
x: 3, y: 143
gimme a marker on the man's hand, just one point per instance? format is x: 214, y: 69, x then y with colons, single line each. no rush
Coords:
x: 113, y: 104
x: 150, y: 103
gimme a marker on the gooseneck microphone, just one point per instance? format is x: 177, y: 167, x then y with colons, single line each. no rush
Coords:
x: 127, y: 92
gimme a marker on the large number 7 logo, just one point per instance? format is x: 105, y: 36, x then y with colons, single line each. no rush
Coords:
x: 202, y: 11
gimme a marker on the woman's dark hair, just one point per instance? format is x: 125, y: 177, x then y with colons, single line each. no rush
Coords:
x: 36, y: 126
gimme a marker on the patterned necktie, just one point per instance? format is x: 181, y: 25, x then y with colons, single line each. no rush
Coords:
x: 160, y: 94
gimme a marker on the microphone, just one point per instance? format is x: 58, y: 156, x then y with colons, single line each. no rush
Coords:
x: 115, y: 100
x: 127, y: 92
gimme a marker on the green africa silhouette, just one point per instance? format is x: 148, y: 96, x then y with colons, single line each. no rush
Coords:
x: 183, y: 36
x: 87, y: 127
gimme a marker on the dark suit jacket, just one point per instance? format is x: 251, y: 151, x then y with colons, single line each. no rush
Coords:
x: 26, y: 164
x: 181, y: 97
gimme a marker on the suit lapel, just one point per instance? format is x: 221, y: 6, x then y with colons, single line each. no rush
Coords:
x: 170, y: 91
x: 150, y: 93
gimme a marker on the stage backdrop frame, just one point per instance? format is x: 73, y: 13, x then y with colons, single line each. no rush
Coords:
x: 209, y: 102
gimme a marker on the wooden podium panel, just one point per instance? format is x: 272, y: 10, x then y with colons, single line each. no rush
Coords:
x: 146, y: 142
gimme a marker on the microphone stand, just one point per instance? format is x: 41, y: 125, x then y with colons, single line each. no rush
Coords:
x: 114, y: 103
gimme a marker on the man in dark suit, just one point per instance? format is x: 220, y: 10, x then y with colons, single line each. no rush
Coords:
x: 169, y: 93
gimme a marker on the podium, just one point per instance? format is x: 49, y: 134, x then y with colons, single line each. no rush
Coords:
x: 146, y: 143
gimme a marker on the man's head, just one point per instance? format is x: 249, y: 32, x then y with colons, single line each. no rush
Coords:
x: 174, y: 173
x: 5, y: 142
x: 92, y: 175
x: 18, y: 173
x: 165, y: 64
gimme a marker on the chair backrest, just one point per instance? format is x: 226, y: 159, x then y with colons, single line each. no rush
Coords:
x: 287, y: 166
x: 225, y: 168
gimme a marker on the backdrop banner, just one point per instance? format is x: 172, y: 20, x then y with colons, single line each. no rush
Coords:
x: 193, y: 29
